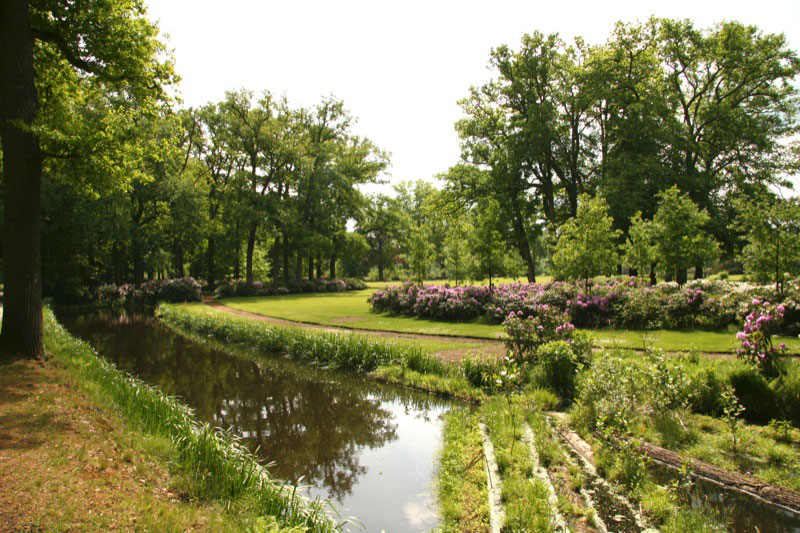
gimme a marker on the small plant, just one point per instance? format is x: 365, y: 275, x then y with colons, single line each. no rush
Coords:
x: 782, y: 429
x: 731, y: 411
x: 509, y: 381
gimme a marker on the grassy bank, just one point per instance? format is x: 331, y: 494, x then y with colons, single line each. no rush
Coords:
x: 215, y: 465
x: 351, y: 310
x: 462, y: 482
x: 399, y: 363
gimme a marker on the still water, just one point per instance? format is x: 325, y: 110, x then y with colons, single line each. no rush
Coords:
x: 369, y: 449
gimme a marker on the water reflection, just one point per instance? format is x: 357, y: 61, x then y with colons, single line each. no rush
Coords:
x: 352, y: 440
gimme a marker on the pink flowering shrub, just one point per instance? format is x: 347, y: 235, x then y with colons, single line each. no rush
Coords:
x: 524, y: 335
x: 621, y: 302
x: 756, y: 336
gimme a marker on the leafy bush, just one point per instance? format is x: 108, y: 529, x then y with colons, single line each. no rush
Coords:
x: 623, y: 301
x: 151, y: 292
x: 755, y: 394
x: 481, y: 371
x: 240, y: 287
x: 524, y: 335
x: 557, y: 368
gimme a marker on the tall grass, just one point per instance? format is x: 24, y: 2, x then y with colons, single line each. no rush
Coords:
x: 344, y: 351
x: 219, y: 466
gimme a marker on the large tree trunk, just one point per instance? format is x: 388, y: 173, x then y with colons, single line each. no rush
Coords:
x: 332, y: 271
x: 310, y: 267
x: 319, y: 267
x: 251, y: 246
x: 698, y: 271
x: 22, y: 334
x: 236, y: 266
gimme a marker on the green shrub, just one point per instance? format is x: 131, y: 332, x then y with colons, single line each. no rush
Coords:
x: 557, y: 368
x: 706, y: 389
x: 481, y: 371
x: 787, y: 391
x: 755, y: 394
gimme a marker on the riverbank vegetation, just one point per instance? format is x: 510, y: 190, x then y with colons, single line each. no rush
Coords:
x: 675, y: 402
x: 216, y: 467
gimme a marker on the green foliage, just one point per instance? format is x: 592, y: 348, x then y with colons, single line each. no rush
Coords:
x: 586, y: 244
x: 461, y: 482
x: 731, y: 411
x: 772, y: 227
x: 639, y: 250
x: 420, y: 252
x: 681, y: 234
x: 346, y: 351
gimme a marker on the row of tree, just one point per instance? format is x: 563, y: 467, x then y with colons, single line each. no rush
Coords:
x: 660, y: 104
x: 114, y: 182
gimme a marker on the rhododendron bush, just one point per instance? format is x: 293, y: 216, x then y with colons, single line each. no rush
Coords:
x: 622, y: 302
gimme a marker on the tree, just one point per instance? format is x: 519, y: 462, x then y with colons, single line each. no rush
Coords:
x: 420, y: 252
x: 74, y: 38
x: 639, y: 251
x: 487, y: 244
x: 587, y: 244
x: 681, y: 235
x: 773, y: 238
x: 457, y: 251
x: 382, y: 222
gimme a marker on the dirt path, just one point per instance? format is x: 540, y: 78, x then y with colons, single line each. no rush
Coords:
x: 484, y: 346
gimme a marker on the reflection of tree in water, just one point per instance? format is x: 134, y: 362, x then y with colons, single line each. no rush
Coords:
x: 310, y: 429
x: 311, y: 423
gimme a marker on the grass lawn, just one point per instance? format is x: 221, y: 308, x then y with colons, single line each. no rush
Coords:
x: 350, y: 309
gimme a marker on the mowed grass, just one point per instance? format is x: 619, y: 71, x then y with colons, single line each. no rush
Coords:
x: 276, y: 309
x: 351, y: 310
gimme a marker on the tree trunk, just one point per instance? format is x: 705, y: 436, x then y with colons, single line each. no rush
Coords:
x: 275, y: 259
x: 298, y: 268
x: 251, y: 246
x: 380, y: 262
x: 212, y: 278
x: 332, y: 271
x: 522, y: 242
x: 653, y: 280
x: 22, y: 334
x: 236, y: 268
x: 310, y: 267
x: 698, y: 271
x: 680, y: 276
x: 179, y: 267
x: 319, y: 267
x: 138, y: 263
x: 285, y: 258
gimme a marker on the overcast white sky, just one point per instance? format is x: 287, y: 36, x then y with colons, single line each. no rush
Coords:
x: 400, y: 67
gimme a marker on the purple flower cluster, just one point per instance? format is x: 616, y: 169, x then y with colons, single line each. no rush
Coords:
x: 240, y: 287
x: 525, y: 334
x: 623, y: 302
x: 151, y: 292
x: 756, y: 336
